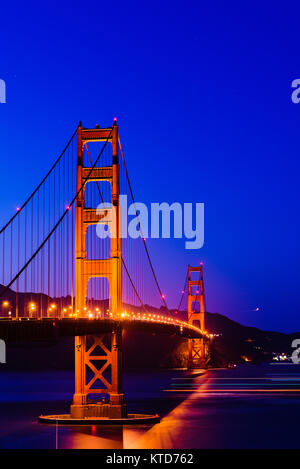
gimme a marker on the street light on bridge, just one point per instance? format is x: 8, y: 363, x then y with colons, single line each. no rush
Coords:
x: 5, y: 305
x: 32, y: 308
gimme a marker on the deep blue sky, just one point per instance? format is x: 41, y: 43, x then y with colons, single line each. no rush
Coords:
x: 202, y: 94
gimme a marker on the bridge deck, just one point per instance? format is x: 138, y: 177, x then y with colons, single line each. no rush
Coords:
x: 27, y: 329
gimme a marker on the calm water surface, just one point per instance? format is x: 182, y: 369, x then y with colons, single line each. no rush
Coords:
x: 248, y: 407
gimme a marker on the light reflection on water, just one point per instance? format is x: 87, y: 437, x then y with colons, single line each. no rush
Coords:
x: 250, y: 407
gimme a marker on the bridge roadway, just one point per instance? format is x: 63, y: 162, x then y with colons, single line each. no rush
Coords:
x: 28, y: 329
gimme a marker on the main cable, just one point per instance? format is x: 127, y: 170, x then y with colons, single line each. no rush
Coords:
x: 38, y: 187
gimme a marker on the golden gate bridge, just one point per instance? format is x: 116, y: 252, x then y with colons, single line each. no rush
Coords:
x: 60, y: 279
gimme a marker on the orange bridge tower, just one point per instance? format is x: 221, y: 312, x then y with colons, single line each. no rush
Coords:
x: 105, y: 366
x: 197, y: 348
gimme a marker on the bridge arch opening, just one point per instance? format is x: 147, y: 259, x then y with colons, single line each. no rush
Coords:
x: 96, y: 248
x: 98, y: 298
x: 196, y: 306
x: 97, y: 192
x: 91, y: 151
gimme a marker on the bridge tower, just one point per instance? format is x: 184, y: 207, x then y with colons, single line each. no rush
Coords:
x: 106, y: 365
x: 197, y: 348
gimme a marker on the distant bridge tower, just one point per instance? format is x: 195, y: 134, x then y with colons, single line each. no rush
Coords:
x: 198, y: 348
x: 108, y: 357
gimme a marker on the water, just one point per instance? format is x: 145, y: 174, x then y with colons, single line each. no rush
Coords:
x: 248, y: 407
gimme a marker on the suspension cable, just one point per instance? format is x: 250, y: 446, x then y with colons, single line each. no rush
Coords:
x: 41, y: 183
x: 133, y: 286
x: 183, y: 292
x: 143, y: 239
x: 59, y: 221
x: 122, y: 258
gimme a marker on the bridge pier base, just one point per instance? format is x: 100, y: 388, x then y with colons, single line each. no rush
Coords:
x: 98, y: 410
x: 98, y: 370
x: 197, y: 354
x: 98, y: 363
